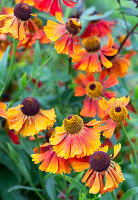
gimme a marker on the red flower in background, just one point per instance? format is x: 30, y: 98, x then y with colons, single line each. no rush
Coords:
x: 13, y: 137
x: 98, y: 28
x: 53, y: 6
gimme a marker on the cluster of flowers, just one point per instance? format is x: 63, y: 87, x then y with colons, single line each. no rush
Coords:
x: 75, y: 144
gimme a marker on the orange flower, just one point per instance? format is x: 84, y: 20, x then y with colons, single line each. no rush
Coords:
x: 53, y: 6
x: 88, y: 57
x: 31, y: 38
x: 101, y: 166
x: 75, y: 138
x: 50, y: 161
x: 64, y: 34
x: 17, y: 23
x: 94, y: 90
x: 27, y: 118
x: 99, y: 28
x: 120, y: 66
x: 115, y: 112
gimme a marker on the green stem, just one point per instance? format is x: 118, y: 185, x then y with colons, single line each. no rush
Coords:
x: 135, y: 154
x: 40, y: 174
x: 123, y: 16
x: 15, y: 43
x: 37, y: 141
x: 113, y: 195
x: 1, y: 5
x: 41, y: 70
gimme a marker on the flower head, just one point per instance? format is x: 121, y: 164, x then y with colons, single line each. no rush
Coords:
x: 102, y: 166
x: 88, y: 57
x: 99, y: 28
x: 50, y: 162
x: 28, y: 119
x: 94, y: 90
x: 115, y: 112
x: 53, y: 6
x: 64, y: 34
x: 75, y: 138
x: 17, y: 23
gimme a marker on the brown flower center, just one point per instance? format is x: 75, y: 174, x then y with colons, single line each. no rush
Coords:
x: 99, y: 161
x: 73, y: 26
x: 92, y: 44
x: 118, y: 113
x: 94, y: 89
x: 73, y: 124
x: 22, y: 11
x: 30, y: 106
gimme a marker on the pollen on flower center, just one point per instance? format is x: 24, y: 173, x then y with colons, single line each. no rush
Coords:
x: 30, y: 106
x: 73, y: 26
x: 92, y: 44
x: 99, y: 161
x: 22, y: 11
x: 118, y: 113
x: 94, y: 89
x: 73, y: 124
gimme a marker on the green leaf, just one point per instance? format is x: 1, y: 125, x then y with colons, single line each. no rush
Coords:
x: 19, y: 187
x: 50, y: 188
x: 88, y: 11
x: 76, y: 184
x: 136, y: 93
x: 82, y: 196
x: 129, y: 11
x: 13, y: 154
x: 36, y: 59
x: 23, y: 80
x: 97, y: 17
x: 3, y: 66
x: 130, y: 193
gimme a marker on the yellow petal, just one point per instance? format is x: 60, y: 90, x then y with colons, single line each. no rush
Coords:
x: 117, y: 148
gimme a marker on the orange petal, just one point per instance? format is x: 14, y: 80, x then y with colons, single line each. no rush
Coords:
x: 96, y: 186
x: 105, y: 61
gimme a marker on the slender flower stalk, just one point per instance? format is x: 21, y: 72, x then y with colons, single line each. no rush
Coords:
x: 40, y: 174
x: 133, y: 148
x: 15, y: 43
x: 127, y: 36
